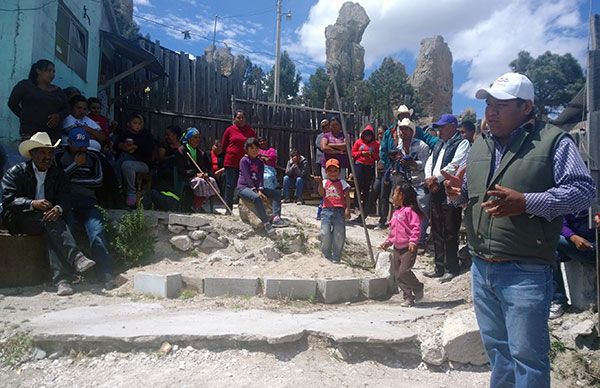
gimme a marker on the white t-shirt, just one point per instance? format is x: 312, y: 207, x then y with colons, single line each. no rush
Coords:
x: 71, y: 122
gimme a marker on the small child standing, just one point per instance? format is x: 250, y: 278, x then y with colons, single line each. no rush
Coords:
x: 336, y: 209
x: 405, y: 230
x: 251, y: 187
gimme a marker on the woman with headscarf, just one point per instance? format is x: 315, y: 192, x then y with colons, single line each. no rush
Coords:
x: 197, y: 181
x: 38, y: 103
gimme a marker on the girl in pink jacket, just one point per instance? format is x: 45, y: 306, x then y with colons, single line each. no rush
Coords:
x: 404, y: 236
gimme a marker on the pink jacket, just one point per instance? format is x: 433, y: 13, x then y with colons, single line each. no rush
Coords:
x: 405, y: 228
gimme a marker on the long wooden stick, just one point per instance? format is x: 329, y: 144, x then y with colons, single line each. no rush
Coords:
x: 349, y: 152
x: 210, y: 183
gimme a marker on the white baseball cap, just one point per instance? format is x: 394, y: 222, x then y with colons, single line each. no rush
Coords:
x: 508, y: 87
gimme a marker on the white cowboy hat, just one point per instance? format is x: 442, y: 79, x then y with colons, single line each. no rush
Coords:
x: 403, y: 109
x: 38, y: 140
x: 405, y: 122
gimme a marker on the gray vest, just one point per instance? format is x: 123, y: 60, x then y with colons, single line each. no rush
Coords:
x: 527, y: 167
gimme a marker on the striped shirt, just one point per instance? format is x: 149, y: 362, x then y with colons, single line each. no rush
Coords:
x: 574, y: 188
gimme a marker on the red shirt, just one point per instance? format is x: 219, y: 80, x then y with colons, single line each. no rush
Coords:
x: 102, y: 122
x: 233, y: 142
x: 361, y: 145
x: 335, y: 193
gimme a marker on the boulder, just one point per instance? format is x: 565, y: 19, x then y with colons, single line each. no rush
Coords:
x: 270, y: 253
x: 461, y: 339
x: 432, y: 78
x: 183, y: 243
x: 176, y: 229
x: 342, y: 46
x: 293, y: 239
x: 192, y: 220
x: 224, y: 240
x: 383, y: 269
x: 219, y: 256
x: 211, y: 243
x: 239, y: 246
x: 248, y: 216
x: 198, y: 235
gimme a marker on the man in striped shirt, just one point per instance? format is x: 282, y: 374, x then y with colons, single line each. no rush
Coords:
x: 518, y: 183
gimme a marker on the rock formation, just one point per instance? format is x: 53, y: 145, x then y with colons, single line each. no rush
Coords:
x: 343, y: 49
x: 222, y: 57
x: 432, y: 78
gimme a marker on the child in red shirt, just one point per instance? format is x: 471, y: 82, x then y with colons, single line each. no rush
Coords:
x: 336, y: 208
x: 365, y: 153
x: 405, y: 230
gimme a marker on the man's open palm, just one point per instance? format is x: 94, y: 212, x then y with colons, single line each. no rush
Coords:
x: 453, y: 183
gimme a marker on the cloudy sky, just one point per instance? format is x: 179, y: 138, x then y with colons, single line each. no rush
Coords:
x: 483, y: 35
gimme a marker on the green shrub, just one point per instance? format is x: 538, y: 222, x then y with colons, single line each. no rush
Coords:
x: 131, y: 239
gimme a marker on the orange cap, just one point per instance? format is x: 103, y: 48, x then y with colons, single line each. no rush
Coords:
x: 332, y: 162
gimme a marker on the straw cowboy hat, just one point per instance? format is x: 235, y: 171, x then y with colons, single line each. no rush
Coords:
x: 39, y: 140
x: 406, y: 123
x: 403, y: 109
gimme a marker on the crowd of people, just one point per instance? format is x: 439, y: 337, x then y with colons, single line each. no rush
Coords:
x: 510, y: 181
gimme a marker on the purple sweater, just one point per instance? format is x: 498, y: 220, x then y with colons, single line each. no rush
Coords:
x: 251, y: 174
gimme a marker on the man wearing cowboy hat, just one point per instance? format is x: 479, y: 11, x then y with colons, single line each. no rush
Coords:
x: 520, y: 179
x: 34, y: 201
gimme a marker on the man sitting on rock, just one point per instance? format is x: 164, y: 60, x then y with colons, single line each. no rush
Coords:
x: 84, y: 171
x: 35, y: 201
x: 295, y: 173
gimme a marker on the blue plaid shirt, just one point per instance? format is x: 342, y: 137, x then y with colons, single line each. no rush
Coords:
x: 574, y: 188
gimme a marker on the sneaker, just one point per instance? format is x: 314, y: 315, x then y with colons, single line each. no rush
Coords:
x: 447, y: 277
x: 407, y: 303
x: 419, y: 295
x: 287, y: 200
x: 279, y: 222
x: 356, y: 221
x: 82, y: 263
x: 64, y: 288
x: 381, y: 227
x: 433, y: 274
x: 269, y: 228
x: 557, y: 310
x: 300, y: 202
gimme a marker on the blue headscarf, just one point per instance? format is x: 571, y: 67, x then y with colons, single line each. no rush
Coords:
x: 189, y: 133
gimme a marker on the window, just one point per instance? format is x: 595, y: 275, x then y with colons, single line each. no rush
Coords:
x: 71, y: 41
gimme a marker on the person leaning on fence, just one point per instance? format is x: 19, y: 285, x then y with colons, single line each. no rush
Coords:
x: 251, y: 188
x: 35, y: 201
x: 136, y: 148
x: 84, y: 171
x: 233, y: 143
x: 518, y: 183
x: 365, y: 153
x: 375, y: 190
x: 336, y: 209
x: 319, y: 157
x: 295, y: 173
x: 202, y: 184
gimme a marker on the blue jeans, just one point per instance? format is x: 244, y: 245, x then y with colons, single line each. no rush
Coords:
x: 231, y: 177
x: 287, y: 184
x: 85, y: 212
x: 568, y: 251
x: 512, y: 303
x: 333, y: 232
x: 259, y: 207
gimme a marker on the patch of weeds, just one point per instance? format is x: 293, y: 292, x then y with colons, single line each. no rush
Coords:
x: 188, y: 293
x: 16, y: 349
x: 131, y: 239
x: 557, y: 346
x: 282, y: 245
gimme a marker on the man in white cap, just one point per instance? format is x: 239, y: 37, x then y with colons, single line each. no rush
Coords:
x: 35, y: 200
x: 519, y: 181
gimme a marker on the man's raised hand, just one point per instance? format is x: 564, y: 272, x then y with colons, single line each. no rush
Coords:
x: 453, y: 183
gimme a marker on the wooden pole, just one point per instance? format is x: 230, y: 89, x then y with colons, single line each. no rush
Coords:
x: 349, y: 151
x: 210, y: 183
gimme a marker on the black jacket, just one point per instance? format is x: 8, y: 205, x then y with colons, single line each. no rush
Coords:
x: 19, y: 186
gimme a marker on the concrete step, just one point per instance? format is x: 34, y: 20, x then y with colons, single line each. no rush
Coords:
x: 131, y: 326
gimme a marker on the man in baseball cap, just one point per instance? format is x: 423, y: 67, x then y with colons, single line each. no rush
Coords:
x: 522, y: 178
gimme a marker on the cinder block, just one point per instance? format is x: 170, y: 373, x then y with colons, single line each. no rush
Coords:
x: 374, y: 288
x: 290, y: 288
x: 231, y: 286
x: 191, y: 220
x: 164, y: 286
x: 339, y: 290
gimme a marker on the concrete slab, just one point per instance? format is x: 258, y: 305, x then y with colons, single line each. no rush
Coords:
x: 188, y: 220
x: 290, y: 288
x: 374, y: 288
x: 135, y: 325
x: 338, y: 290
x: 231, y: 286
x: 193, y: 282
x: 163, y: 286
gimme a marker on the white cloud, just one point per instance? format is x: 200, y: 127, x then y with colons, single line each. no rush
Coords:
x: 486, y: 34
x: 142, y: 2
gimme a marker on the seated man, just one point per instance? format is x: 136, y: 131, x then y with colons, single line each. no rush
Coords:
x: 251, y: 188
x: 36, y: 200
x: 577, y: 242
x: 295, y: 171
x: 84, y: 171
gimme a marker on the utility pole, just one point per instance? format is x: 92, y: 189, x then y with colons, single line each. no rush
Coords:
x: 277, y: 54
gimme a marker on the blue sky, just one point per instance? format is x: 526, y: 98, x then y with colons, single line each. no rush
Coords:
x: 483, y: 35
